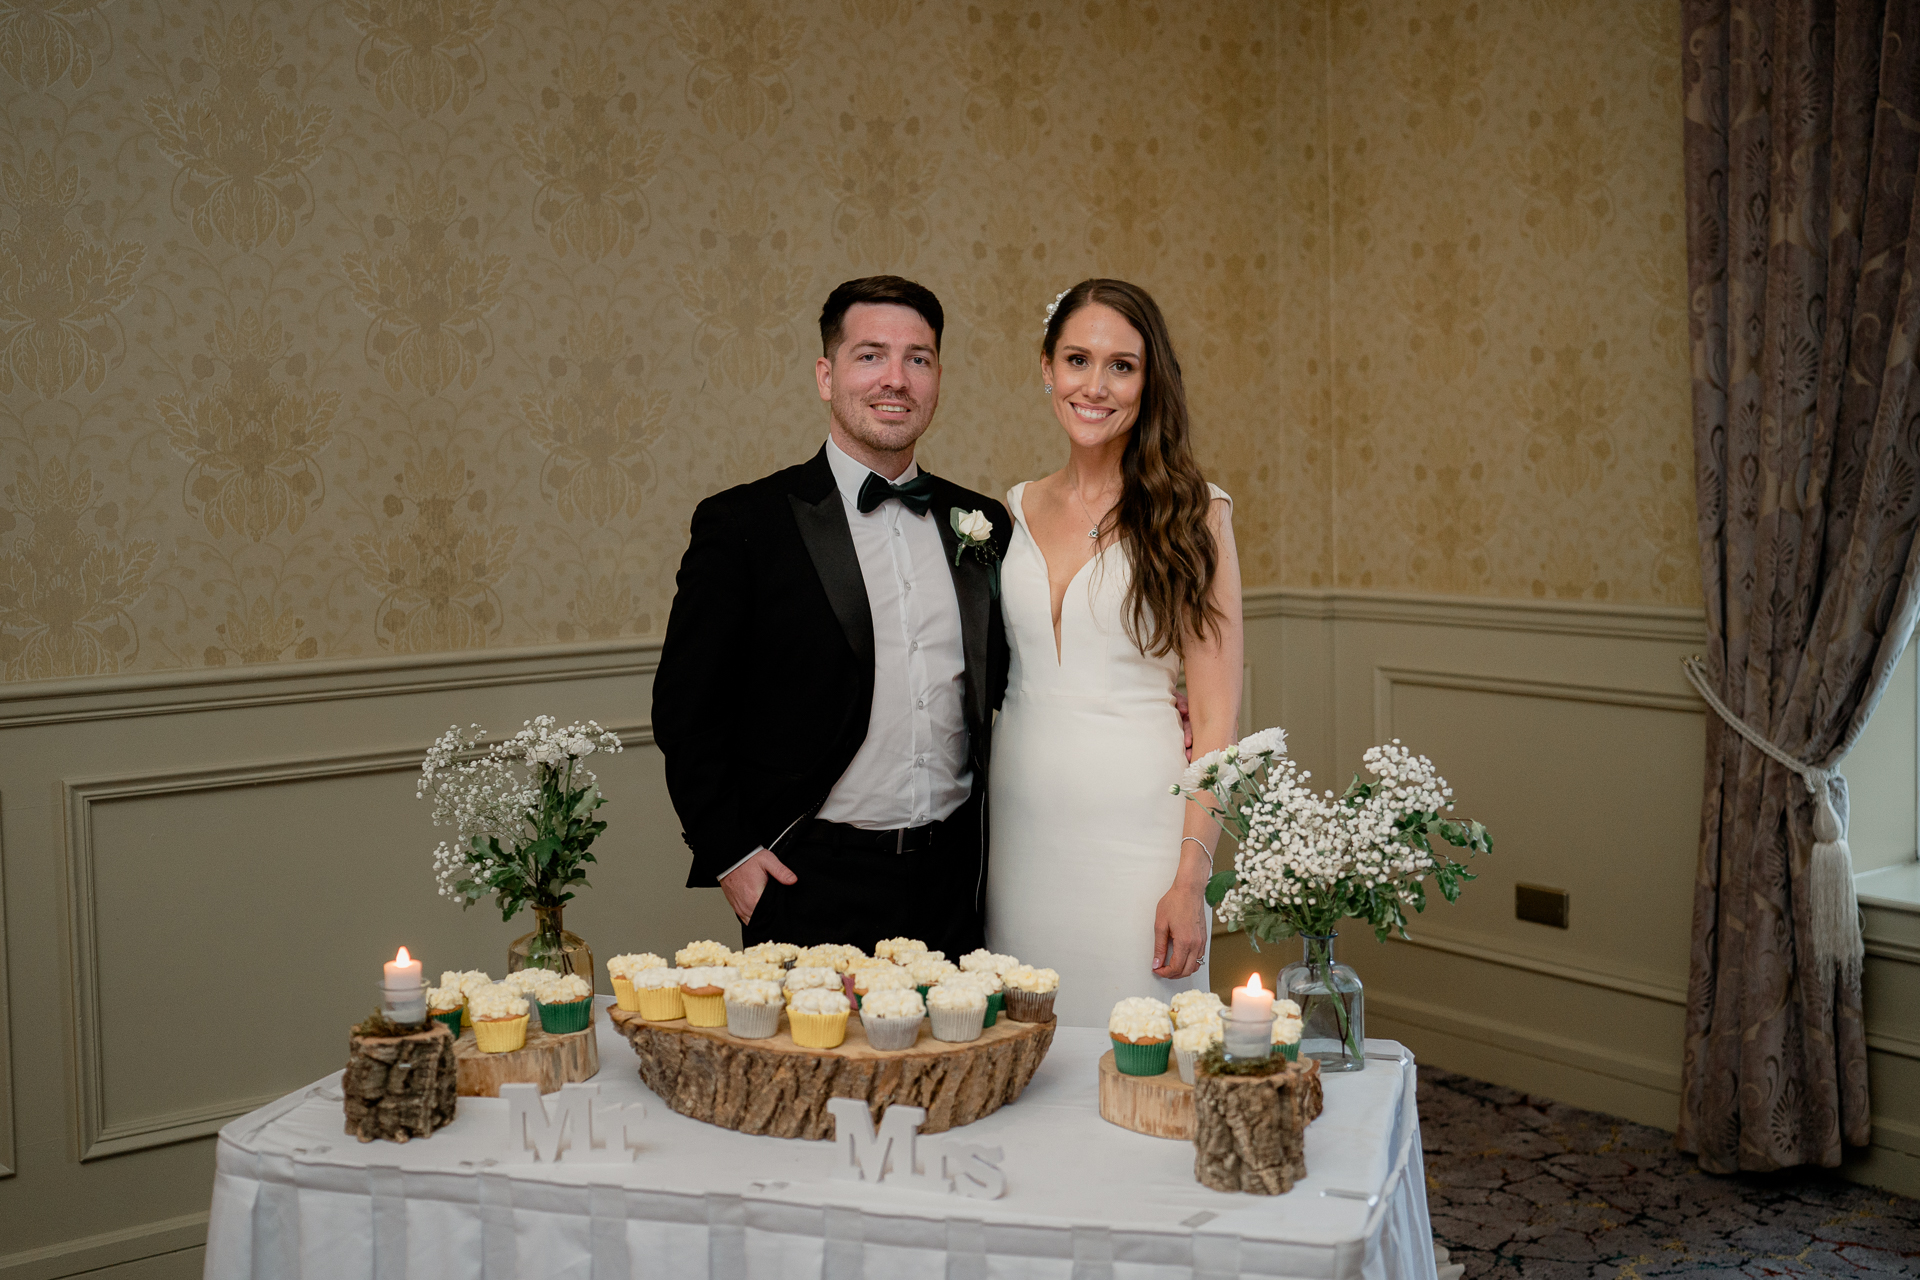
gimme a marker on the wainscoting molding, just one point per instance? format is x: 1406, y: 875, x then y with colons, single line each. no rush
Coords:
x: 1501, y: 1033
x: 1472, y: 946
x: 7, y: 1166
x: 97, y: 1137
x: 106, y: 1249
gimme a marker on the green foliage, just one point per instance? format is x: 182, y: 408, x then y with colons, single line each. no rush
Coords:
x: 544, y: 870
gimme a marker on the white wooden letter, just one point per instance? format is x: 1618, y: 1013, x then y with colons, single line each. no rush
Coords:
x: 533, y: 1134
x: 865, y: 1154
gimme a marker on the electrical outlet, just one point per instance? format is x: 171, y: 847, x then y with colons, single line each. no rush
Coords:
x: 1540, y: 905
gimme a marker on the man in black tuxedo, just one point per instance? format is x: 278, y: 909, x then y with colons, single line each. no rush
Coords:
x: 835, y: 655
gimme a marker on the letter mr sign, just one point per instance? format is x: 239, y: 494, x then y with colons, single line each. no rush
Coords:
x: 897, y: 1153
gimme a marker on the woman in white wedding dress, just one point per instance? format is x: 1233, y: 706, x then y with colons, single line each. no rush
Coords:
x: 1121, y: 571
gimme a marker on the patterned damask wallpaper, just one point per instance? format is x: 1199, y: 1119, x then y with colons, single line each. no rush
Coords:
x: 396, y: 326
x: 1502, y: 407
x: 392, y: 326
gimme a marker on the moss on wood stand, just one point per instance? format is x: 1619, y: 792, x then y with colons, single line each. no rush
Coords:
x: 776, y: 1087
x: 400, y: 1086
x: 1249, y: 1131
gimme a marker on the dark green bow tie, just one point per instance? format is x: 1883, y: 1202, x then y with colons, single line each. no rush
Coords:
x: 916, y: 495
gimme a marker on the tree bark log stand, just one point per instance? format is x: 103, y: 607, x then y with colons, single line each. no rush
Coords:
x: 400, y: 1087
x: 1159, y: 1106
x: 1249, y: 1132
x: 775, y: 1087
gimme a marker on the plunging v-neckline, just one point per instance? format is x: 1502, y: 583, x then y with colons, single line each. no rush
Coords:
x: 1021, y: 501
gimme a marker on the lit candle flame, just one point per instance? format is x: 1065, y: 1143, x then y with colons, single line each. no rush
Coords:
x: 1253, y: 982
x: 401, y: 957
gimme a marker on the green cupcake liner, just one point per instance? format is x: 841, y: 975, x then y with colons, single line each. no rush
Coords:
x: 561, y: 1019
x: 451, y: 1020
x: 923, y: 991
x: 996, y: 1001
x: 1291, y: 1052
x: 1141, y: 1059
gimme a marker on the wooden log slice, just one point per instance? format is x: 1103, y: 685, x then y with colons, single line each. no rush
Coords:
x: 399, y: 1087
x: 547, y: 1060
x: 776, y: 1087
x: 1159, y: 1106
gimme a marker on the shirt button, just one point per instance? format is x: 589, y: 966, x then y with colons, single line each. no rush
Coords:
x: 914, y: 647
x: 922, y: 704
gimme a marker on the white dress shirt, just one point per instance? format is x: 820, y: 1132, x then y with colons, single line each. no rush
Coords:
x: 912, y: 768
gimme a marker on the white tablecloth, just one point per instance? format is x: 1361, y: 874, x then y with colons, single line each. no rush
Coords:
x: 295, y: 1197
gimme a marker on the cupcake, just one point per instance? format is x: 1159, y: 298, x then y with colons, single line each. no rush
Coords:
x: 1197, y: 1006
x: 929, y: 969
x: 1030, y: 993
x: 958, y: 1010
x: 753, y: 1008
x: 990, y: 985
x: 831, y: 955
x: 468, y: 981
x: 699, y: 955
x: 656, y: 994
x: 890, y: 948
x: 985, y: 961
x: 1190, y: 1041
x: 622, y: 968
x: 880, y: 975
x: 447, y: 1004
x: 1286, y: 1029
x: 499, y: 1019
x: 528, y: 983
x: 817, y: 1017
x: 566, y: 1004
x: 704, y: 993
x: 777, y: 954
x: 808, y: 977
x: 1142, y: 1034
x: 891, y: 1017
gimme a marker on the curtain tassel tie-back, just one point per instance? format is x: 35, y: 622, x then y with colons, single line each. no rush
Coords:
x: 1833, y: 909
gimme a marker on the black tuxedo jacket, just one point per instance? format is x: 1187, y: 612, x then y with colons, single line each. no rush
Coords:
x: 765, y: 682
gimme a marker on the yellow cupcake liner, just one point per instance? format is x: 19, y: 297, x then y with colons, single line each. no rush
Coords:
x: 624, y: 996
x: 705, y: 1011
x: 500, y: 1035
x: 818, y: 1030
x: 657, y: 1004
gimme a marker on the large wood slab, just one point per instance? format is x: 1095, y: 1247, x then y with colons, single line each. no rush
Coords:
x: 1159, y: 1106
x: 776, y: 1087
x: 547, y: 1060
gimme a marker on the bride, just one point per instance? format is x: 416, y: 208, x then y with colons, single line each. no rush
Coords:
x: 1121, y: 572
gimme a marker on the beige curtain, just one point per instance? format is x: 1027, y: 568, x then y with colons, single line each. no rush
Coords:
x: 1802, y: 134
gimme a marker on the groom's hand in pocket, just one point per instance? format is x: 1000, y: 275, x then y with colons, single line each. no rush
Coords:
x: 745, y: 883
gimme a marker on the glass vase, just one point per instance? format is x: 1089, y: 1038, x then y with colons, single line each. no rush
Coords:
x: 550, y: 946
x: 1332, y: 1004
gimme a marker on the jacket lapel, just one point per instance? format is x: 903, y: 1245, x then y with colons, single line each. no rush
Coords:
x: 822, y: 519
x: 971, y: 586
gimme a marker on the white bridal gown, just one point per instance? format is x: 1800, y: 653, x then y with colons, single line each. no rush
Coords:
x: 1086, y: 837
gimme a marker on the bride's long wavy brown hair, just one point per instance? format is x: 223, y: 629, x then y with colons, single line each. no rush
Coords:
x: 1161, y: 518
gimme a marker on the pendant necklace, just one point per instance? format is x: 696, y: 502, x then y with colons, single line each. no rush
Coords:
x: 1094, y: 532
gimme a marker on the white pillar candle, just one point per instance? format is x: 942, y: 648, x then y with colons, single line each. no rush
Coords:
x: 1251, y: 1004
x: 403, y: 971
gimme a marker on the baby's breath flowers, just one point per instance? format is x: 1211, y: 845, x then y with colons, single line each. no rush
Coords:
x: 1305, y: 861
x: 523, y: 809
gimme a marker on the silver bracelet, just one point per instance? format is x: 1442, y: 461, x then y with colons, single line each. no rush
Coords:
x: 1202, y: 843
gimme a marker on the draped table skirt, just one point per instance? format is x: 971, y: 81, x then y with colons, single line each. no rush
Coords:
x: 294, y: 1196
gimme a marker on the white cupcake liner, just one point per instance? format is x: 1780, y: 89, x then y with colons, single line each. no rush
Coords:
x: 897, y: 1032
x: 1184, y: 1060
x: 752, y: 1021
x: 958, y: 1025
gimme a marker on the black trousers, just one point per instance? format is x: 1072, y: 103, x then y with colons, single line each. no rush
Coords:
x: 860, y: 896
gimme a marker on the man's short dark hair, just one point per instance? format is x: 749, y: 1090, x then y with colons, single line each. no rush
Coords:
x: 892, y: 290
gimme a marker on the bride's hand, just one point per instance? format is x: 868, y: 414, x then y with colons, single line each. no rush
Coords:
x: 1180, y: 930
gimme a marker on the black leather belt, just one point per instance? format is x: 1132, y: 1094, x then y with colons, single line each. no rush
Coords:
x: 839, y: 835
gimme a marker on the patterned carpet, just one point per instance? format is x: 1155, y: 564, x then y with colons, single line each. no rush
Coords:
x: 1525, y: 1189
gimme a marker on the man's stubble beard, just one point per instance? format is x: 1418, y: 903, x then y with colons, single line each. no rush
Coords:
x: 852, y: 418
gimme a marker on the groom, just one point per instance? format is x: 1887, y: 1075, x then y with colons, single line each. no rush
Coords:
x: 825, y: 695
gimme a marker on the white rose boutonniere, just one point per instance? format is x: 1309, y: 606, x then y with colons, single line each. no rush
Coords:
x: 974, y: 532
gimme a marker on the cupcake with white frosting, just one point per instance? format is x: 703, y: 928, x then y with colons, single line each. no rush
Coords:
x: 958, y: 1011
x: 656, y: 994
x: 1196, y: 1006
x: 447, y: 1004
x: 892, y: 1017
x: 499, y: 1018
x: 990, y: 985
x: 1286, y: 1029
x: 621, y: 970
x: 812, y: 977
x: 930, y: 969
x: 985, y: 961
x: 566, y: 1004
x: 753, y: 1008
x: 1030, y: 993
x: 891, y: 948
x: 880, y: 975
x: 703, y: 992
x: 1192, y: 1039
x: 1142, y: 1034
x: 698, y: 955
x: 817, y: 1017
x: 468, y: 981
